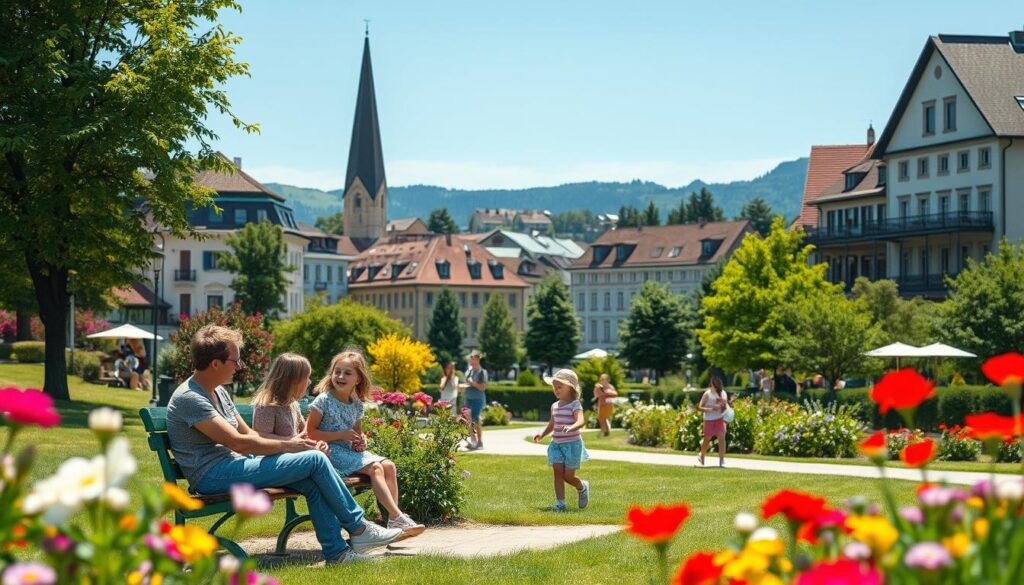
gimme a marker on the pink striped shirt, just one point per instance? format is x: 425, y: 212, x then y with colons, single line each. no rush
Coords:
x: 565, y: 415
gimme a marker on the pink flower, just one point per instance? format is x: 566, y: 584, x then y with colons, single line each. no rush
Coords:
x: 426, y: 399
x: 29, y: 573
x: 840, y: 572
x: 930, y: 556
x: 28, y: 407
x: 937, y: 496
x: 249, y: 502
x: 912, y: 514
x: 443, y: 404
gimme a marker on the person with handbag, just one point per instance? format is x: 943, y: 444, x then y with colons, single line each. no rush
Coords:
x: 714, y: 404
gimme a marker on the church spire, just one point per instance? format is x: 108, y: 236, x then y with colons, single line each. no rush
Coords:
x: 365, y: 156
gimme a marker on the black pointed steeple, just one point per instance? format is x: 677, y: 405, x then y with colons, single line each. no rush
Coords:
x: 365, y: 157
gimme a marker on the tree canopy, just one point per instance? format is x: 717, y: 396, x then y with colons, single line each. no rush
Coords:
x: 656, y: 332
x: 911, y: 321
x: 651, y: 215
x: 258, y: 261
x: 445, y: 331
x: 553, y: 333
x: 105, y: 105
x: 697, y: 208
x: 442, y: 223
x: 759, y: 214
x: 498, y: 338
x: 333, y: 223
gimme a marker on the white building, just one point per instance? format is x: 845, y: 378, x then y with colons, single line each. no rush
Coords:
x: 325, y: 265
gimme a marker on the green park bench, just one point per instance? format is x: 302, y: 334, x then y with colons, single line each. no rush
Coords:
x: 154, y: 419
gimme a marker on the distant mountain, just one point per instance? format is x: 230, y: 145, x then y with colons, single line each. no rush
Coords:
x: 782, y: 188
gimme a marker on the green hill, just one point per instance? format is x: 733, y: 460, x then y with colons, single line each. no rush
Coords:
x: 782, y: 188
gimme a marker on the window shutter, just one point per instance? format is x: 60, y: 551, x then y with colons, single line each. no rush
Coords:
x: 207, y: 260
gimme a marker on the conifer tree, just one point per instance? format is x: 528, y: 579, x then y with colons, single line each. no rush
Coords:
x: 498, y: 338
x: 445, y: 333
x: 656, y: 332
x: 554, y: 330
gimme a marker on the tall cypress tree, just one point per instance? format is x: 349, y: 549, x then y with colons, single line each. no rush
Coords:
x: 554, y: 330
x: 498, y: 338
x: 445, y: 333
x: 258, y: 261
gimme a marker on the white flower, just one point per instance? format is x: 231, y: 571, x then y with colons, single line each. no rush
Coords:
x: 121, y: 464
x: 1012, y: 490
x: 764, y: 533
x: 229, y: 564
x: 745, y: 522
x: 116, y: 499
x: 105, y: 420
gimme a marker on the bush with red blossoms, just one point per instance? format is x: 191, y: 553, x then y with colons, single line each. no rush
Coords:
x: 257, y: 343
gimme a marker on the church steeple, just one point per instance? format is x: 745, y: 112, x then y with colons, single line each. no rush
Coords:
x: 365, y: 184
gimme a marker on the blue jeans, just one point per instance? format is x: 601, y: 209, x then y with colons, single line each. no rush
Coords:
x: 331, y: 505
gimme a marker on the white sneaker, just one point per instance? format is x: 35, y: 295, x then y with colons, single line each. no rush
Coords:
x: 373, y: 536
x: 470, y: 444
x: 584, y: 495
x: 407, y: 525
x: 349, y: 556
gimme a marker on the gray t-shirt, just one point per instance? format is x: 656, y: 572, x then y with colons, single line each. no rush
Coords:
x: 480, y: 377
x: 195, y: 452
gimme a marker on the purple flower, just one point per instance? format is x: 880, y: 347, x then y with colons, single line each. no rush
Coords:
x: 466, y: 473
x: 912, y: 514
x: 59, y: 544
x: 982, y: 489
x: 31, y: 572
x: 938, y: 496
x: 930, y: 556
x: 249, y: 502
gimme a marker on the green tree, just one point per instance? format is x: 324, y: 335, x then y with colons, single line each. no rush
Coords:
x: 258, y: 261
x: 573, y: 221
x: 759, y: 214
x: 828, y: 334
x: 498, y: 338
x: 701, y: 207
x: 747, y: 311
x: 983, y: 311
x: 445, y: 332
x: 655, y: 333
x: 442, y: 223
x: 679, y: 215
x: 629, y: 216
x: 105, y: 103
x: 319, y: 332
x: 553, y: 333
x: 333, y: 223
x: 651, y: 215
x: 910, y: 321
x: 590, y: 371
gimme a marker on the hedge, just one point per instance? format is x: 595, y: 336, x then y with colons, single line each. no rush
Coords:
x: 6, y: 349
x: 29, y: 352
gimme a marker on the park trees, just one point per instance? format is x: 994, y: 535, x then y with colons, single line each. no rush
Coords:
x: 399, y: 361
x: 442, y: 223
x: 759, y: 214
x: 655, y: 333
x: 333, y: 223
x: 258, y: 261
x: 104, y: 106
x: 498, y: 339
x: 445, y: 331
x: 911, y: 321
x: 554, y: 329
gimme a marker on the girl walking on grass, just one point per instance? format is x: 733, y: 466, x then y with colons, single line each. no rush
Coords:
x: 713, y: 404
x: 566, y: 452
x: 336, y: 416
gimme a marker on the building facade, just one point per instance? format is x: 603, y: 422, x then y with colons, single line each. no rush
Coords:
x: 324, y: 268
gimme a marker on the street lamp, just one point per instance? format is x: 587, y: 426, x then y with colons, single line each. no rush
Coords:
x: 158, y: 265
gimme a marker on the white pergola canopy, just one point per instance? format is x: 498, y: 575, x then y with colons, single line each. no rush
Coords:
x: 127, y: 331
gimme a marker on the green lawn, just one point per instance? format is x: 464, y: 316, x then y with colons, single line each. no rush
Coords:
x: 618, y: 440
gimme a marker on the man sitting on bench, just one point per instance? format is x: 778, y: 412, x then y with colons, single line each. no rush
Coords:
x: 216, y: 448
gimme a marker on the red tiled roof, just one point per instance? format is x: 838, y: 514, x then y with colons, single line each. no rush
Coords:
x: 136, y: 295
x: 646, y: 241
x: 416, y: 263
x: 346, y: 247
x: 825, y: 167
x: 233, y: 182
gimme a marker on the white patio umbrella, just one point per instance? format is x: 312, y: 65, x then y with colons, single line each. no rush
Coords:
x: 896, y: 350
x: 943, y: 350
x: 597, y: 352
x: 128, y: 331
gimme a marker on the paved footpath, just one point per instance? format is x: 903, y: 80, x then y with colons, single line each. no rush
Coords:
x: 513, y: 442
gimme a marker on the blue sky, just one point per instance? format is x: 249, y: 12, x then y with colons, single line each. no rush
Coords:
x: 478, y: 94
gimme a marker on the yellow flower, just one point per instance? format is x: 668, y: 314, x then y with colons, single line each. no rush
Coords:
x: 768, y: 548
x: 134, y: 578
x: 179, y: 499
x: 156, y: 579
x: 874, y: 531
x: 747, y: 567
x: 975, y: 502
x: 193, y: 542
x: 725, y: 557
x: 957, y: 544
x: 784, y: 565
x: 980, y: 528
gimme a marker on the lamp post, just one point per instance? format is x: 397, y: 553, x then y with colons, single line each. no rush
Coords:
x: 158, y: 265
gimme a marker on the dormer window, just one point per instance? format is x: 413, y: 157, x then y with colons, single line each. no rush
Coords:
x: 674, y: 252
x: 656, y: 253
x: 526, y: 267
x: 621, y: 252
x: 444, y: 269
x: 372, y: 271
x: 882, y: 174
x: 497, y: 270
x: 709, y: 247
x: 600, y: 253
x: 851, y: 181
x: 396, y: 269
x: 474, y: 270
x: 356, y: 272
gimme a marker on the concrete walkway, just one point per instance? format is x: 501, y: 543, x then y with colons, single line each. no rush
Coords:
x: 514, y: 442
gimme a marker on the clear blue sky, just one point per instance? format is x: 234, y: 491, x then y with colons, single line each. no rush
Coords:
x: 484, y: 94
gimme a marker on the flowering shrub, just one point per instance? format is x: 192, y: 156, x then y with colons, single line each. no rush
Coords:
x: 818, y: 431
x: 495, y: 414
x: 650, y: 424
x: 8, y: 325
x: 957, y: 445
x: 257, y: 343
x: 109, y: 542
x: 896, y: 441
x: 86, y: 324
x: 398, y: 363
x: 430, y: 481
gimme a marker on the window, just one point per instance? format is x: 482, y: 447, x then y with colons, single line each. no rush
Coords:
x: 922, y: 167
x: 675, y: 251
x: 984, y: 158
x: 657, y: 275
x: 462, y: 299
x: 984, y: 200
x: 261, y: 215
x: 474, y: 270
x: 444, y: 270
x: 593, y: 301
x: 965, y: 200
x: 593, y: 278
x: 656, y: 253
x: 185, y: 304
x: 403, y: 300
x: 607, y: 301
x: 944, y: 204
x: 305, y: 273
x: 359, y: 201
x: 904, y: 171
x: 620, y: 277
x: 929, y: 118
x: 214, y: 301
x: 487, y: 297
x: 882, y: 174
x: 318, y: 274
x: 965, y: 253
x: 512, y: 300
x: 607, y: 330
x: 904, y: 207
x: 924, y: 262
x: 430, y: 299
x: 621, y: 253
x: 963, y: 161
x: 581, y: 304
x: 211, y: 260
x: 923, y: 205
x: 476, y: 299
x: 476, y: 325
x: 330, y: 273
x: 944, y: 260
x: 1020, y: 102
x: 619, y: 304
x: 607, y: 276
x: 593, y: 330
x: 943, y: 164
x: 241, y: 215
x: 949, y: 121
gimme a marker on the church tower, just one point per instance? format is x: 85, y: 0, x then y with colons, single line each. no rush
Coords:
x: 366, y: 190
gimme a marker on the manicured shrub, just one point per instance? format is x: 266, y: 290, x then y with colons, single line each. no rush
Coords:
x: 819, y: 431
x: 954, y: 404
x: 86, y: 364
x: 957, y: 445
x: 28, y: 352
x: 528, y: 378
x: 649, y: 424
x: 688, y: 433
x: 1009, y: 452
x: 897, y: 440
x: 494, y: 414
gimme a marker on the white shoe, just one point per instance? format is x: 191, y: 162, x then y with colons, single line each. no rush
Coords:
x: 407, y: 525
x: 373, y: 536
x: 349, y: 556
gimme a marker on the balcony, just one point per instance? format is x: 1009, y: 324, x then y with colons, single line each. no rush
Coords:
x: 184, y: 275
x: 927, y: 285
x: 898, y: 227
x: 319, y: 285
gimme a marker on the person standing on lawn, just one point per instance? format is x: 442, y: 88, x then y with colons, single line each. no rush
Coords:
x: 217, y: 449
x: 603, y: 393
x: 449, y: 386
x: 566, y: 452
x: 476, y: 398
x: 713, y: 404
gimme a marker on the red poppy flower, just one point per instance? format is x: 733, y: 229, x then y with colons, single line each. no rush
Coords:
x: 924, y: 485
x: 828, y: 518
x: 901, y: 390
x: 28, y: 407
x: 698, y: 569
x: 1004, y: 369
x: 989, y: 425
x: 840, y: 572
x: 796, y: 506
x: 659, y: 524
x: 919, y: 453
x: 874, y: 447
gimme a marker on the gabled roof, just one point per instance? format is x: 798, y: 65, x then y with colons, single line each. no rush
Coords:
x: 403, y: 224
x: 365, y: 155
x: 644, y: 244
x: 533, y: 216
x: 137, y: 295
x: 236, y: 181
x: 990, y: 70
x: 539, y: 244
x: 494, y: 215
x: 416, y: 262
x: 824, y: 168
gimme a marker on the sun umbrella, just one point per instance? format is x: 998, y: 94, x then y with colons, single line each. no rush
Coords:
x: 127, y: 331
x: 597, y: 352
x: 943, y: 350
x: 896, y: 350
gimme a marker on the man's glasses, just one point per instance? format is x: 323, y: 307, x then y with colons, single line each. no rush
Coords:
x: 238, y: 362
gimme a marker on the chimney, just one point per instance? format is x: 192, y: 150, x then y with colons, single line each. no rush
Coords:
x: 238, y: 162
x: 1017, y: 40
x: 871, y: 134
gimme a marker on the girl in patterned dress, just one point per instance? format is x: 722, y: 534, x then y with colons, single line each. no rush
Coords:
x: 336, y: 416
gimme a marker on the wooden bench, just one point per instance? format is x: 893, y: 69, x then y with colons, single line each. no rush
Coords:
x: 154, y: 419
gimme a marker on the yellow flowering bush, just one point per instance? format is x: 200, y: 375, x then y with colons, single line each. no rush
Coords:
x: 399, y: 362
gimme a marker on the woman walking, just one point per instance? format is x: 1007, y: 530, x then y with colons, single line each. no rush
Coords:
x: 603, y: 393
x: 713, y: 404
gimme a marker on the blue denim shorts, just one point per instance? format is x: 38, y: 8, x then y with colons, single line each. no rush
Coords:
x: 571, y: 455
x: 476, y: 406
